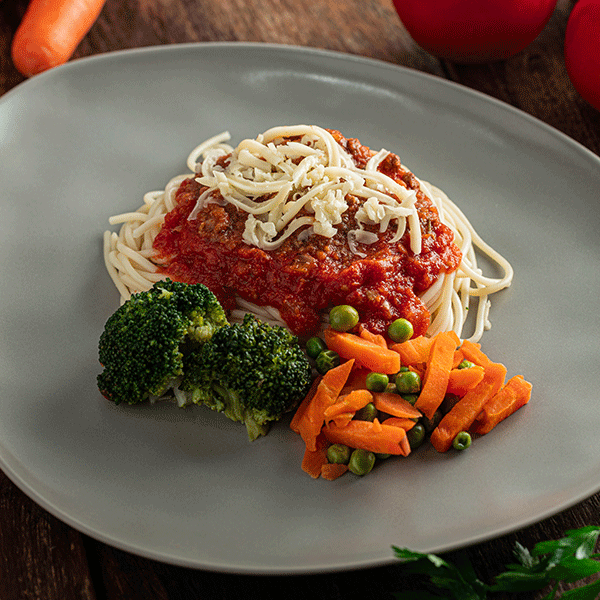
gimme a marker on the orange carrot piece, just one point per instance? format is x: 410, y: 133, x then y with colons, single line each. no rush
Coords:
x: 377, y: 428
x: 463, y: 380
x: 405, y: 446
x: 472, y: 351
x: 50, y: 31
x: 343, y: 418
x: 357, y: 380
x: 313, y: 460
x: 373, y: 337
x: 458, y: 358
x: 437, y: 374
x: 515, y: 394
x: 462, y: 416
x: 379, y: 438
x: 332, y: 471
x: 413, y: 351
x: 394, y: 404
x: 406, y: 424
x: 311, y: 421
x: 497, y: 373
x: 364, y: 352
x: 351, y: 402
x: 305, y: 402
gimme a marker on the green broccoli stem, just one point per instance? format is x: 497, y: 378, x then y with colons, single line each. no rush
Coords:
x: 254, y: 429
x: 234, y: 410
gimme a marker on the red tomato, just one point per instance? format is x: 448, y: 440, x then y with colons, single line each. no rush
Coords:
x: 582, y: 49
x: 474, y: 30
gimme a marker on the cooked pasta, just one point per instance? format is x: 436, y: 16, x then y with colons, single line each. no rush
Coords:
x: 295, y: 181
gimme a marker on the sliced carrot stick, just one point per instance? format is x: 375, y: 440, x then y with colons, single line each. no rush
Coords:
x: 313, y: 460
x: 349, y: 403
x: 437, y: 373
x: 405, y: 446
x: 406, y: 424
x: 379, y: 438
x: 302, y: 407
x: 343, y: 418
x: 465, y: 411
x: 472, y: 351
x: 496, y: 372
x: 461, y: 416
x: 515, y: 394
x: 462, y: 380
x: 372, y: 337
x: 394, y: 404
x: 364, y: 352
x: 332, y: 471
x: 377, y: 428
x: 357, y: 380
x: 50, y: 32
x: 413, y: 351
x: 458, y: 358
x: 311, y: 421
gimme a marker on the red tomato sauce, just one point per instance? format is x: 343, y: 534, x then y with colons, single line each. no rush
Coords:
x: 304, y: 278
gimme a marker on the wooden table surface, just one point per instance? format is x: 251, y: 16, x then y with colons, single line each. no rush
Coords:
x: 43, y: 558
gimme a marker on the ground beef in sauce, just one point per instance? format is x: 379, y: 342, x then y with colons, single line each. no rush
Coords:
x: 304, y: 278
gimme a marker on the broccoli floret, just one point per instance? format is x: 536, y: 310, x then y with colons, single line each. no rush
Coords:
x: 144, y: 342
x: 251, y: 372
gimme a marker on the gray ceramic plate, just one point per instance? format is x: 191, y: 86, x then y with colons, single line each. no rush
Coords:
x: 86, y: 140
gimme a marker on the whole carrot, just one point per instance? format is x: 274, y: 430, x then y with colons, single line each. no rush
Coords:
x: 50, y: 32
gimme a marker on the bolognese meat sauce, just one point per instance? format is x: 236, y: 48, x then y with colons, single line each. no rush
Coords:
x: 308, y: 274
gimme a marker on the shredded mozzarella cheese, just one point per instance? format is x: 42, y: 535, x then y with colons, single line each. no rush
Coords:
x: 285, y: 185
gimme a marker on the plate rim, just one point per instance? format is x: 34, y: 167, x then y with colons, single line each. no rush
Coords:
x: 16, y: 475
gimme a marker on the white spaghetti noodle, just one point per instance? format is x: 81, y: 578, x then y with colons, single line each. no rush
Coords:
x: 311, y: 176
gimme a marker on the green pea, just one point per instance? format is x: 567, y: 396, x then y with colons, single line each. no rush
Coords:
x: 338, y: 454
x: 343, y: 317
x: 408, y: 382
x: 416, y: 436
x: 366, y: 413
x: 400, y: 330
x: 314, y: 347
x: 380, y: 456
x: 462, y: 441
x: 326, y: 360
x: 361, y: 462
x: 466, y: 364
x: 391, y: 388
x: 411, y: 398
x: 377, y: 382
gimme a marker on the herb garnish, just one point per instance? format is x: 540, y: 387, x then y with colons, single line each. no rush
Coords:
x: 567, y: 560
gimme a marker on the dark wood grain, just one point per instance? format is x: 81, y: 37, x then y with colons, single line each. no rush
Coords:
x: 536, y: 82
x: 369, y: 28
x: 43, y: 558
x: 40, y: 557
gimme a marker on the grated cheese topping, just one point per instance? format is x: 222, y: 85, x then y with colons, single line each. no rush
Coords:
x: 288, y: 184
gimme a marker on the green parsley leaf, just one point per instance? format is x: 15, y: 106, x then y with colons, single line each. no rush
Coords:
x: 461, y: 581
x: 570, y: 559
